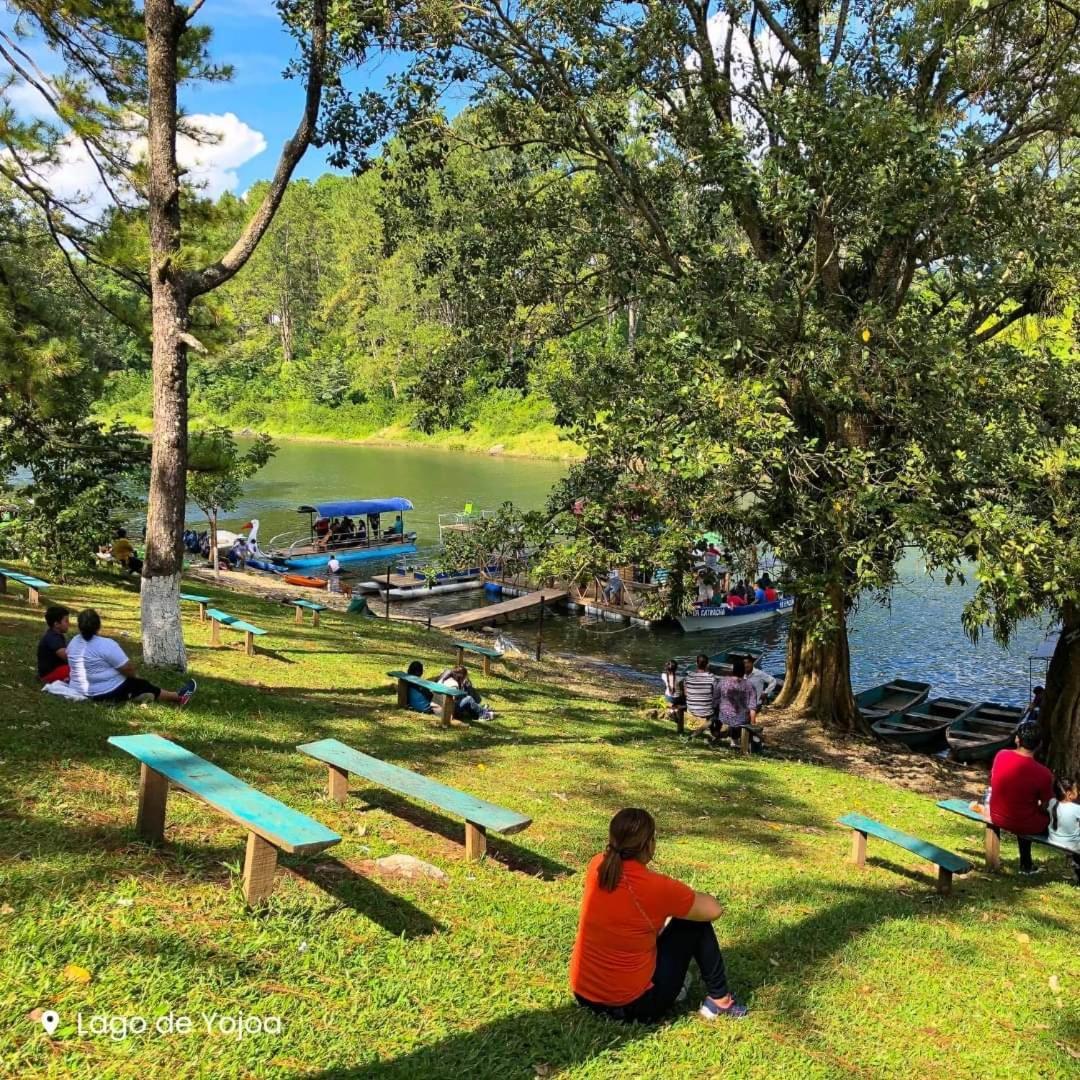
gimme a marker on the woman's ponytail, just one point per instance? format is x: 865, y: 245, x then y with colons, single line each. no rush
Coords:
x: 630, y: 836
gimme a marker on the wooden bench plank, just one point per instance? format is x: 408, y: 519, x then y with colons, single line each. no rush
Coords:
x: 202, y: 601
x: 992, y: 838
x: 278, y: 824
x: 34, y: 585
x: 486, y: 654
x: 231, y: 622
x: 478, y: 811
x: 300, y: 605
x: 434, y: 687
x: 923, y: 848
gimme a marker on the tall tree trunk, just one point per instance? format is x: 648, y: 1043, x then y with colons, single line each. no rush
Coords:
x: 817, y: 682
x: 1060, y: 715
x: 162, y: 634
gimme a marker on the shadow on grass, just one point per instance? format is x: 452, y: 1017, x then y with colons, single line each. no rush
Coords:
x: 392, y: 912
x: 511, y: 855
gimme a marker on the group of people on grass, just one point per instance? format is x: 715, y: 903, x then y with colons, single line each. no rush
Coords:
x: 725, y: 704
x: 1025, y: 798
x: 467, y: 707
x: 91, y: 666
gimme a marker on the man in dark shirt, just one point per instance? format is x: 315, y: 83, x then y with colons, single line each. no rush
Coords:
x: 52, y: 662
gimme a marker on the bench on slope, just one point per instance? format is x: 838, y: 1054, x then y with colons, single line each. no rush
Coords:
x: 230, y: 622
x: 34, y: 586
x: 202, y: 601
x: 480, y: 816
x: 992, y: 833
x: 271, y: 825
x: 487, y: 654
x: 946, y: 862
x: 449, y: 694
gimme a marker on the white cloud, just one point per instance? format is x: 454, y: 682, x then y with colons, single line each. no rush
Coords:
x: 224, y: 144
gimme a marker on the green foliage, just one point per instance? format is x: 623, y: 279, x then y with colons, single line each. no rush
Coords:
x: 217, y: 469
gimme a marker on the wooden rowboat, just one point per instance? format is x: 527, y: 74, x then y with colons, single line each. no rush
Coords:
x: 979, y: 733
x: 890, y: 699
x: 922, y: 727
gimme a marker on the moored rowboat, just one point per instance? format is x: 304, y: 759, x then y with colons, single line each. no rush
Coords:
x: 923, y: 726
x: 888, y: 700
x: 979, y: 733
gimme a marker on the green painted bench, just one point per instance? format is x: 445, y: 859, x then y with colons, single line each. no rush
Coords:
x: 302, y: 605
x: 992, y: 833
x: 448, y: 694
x: 230, y: 622
x: 480, y: 816
x: 202, y: 601
x: 467, y: 646
x: 34, y: 586
x: 946, y: 862
x: 271, y: 825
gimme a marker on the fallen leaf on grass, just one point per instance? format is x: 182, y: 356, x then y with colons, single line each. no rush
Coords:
x: 1055, y: 985
x: 6, y: 909
x: 543, y: 1070
x: 75, y: 973
x: 35, y: 1014
x: 774, y: 961
x: 1023, y: 938
x: 560, y: 795
x: 1072, y: 1051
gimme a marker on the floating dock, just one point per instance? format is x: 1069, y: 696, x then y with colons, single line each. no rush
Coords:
x: 458, y: 620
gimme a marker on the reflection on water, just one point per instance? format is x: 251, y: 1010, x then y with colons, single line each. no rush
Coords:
x: 919, y: 636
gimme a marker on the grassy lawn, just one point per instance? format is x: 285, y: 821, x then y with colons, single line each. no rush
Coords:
x: 846, y: 972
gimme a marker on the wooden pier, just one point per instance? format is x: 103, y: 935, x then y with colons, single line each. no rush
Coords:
x: 458, y: 620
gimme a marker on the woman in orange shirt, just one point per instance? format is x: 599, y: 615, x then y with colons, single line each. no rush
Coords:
x: 639, y: 930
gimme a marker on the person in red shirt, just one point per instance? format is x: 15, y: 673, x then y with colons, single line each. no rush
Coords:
x: 639, y: 930
x: 1020, y: 792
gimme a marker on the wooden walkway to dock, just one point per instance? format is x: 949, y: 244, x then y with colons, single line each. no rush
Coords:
x: 458, y: 620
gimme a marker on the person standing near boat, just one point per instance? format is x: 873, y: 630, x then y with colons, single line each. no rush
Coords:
x: 1021, y: 792
x: 763, y: 683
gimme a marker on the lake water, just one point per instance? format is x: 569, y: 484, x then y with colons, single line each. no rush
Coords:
x: 918, y: 636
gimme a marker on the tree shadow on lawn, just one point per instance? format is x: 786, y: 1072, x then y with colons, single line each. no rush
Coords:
x: 501, y: 850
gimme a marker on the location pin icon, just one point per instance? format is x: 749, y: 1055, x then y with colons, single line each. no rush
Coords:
x: 50, y: 1021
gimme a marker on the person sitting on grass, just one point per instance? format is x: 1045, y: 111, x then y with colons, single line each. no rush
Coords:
x: 467, y: 707
x: 52, y: 664
x: 123, y: 552
x: 1064, y: 828
x: 639, y: 932
x: 101, y: 671
x: 1021, y: 792
x: 419, y: 699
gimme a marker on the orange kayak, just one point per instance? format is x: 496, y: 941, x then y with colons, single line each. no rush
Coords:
x: 306, y: 582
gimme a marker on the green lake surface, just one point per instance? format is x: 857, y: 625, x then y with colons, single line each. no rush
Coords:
x: 917, y: 636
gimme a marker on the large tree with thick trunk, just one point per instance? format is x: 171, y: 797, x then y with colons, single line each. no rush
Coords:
x: 117, y: 107
x: 829, y: 211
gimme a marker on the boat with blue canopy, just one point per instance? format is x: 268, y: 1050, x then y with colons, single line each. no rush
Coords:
x: 352, y: 530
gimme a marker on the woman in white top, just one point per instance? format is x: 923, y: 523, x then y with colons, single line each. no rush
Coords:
x: 1064, y: 830
x: 101, y: 671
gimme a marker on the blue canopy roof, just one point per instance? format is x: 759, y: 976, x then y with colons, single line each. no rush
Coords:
x: 357, y: 506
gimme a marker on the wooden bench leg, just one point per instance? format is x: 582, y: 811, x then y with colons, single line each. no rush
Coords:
x: 460, y: 657
x: 299, y: 619
x: 402, y: 694
x: 153, y: 795
x: 858, y: 848
x: 475, y: 841
x: 202, y: 611
x: 487, y: 665
x: 314, y: 618
x: 33, y: 596
x: 744, y: 740
x: 215, y: 633
x: 3, y: 584
x: 338, y: 784
x: 249, y: 643
x: 447, y: 710
x: 260, y: 862
x: 944, y: 881
x: 992, y: 846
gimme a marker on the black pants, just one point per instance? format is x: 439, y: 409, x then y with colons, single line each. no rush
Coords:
x: 128, y: 689
x: 679, y: 942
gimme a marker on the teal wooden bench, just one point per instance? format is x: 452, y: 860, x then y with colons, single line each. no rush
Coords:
x: 946, y: 862
x: 448, y: 694
x: 271, y: 825
x: 202, y: 601
x: 230, y: 622
x: 34, y: 586
x: 992, y: 833
x: 302, y: 605
x: 488, y: 655
x: 480, y: 816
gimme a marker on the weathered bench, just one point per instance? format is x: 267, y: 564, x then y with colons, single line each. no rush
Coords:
x: 302, y: 605
x: 271, y: 825
x: 480, y: 816
x: 202, y: 601
x: 230, y: 622
x: 448, y: 694
x: 946, y: 862
x: 34, y: 586
x: 992, y: 832
x: 467, y: 646
x: 745, y: 733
